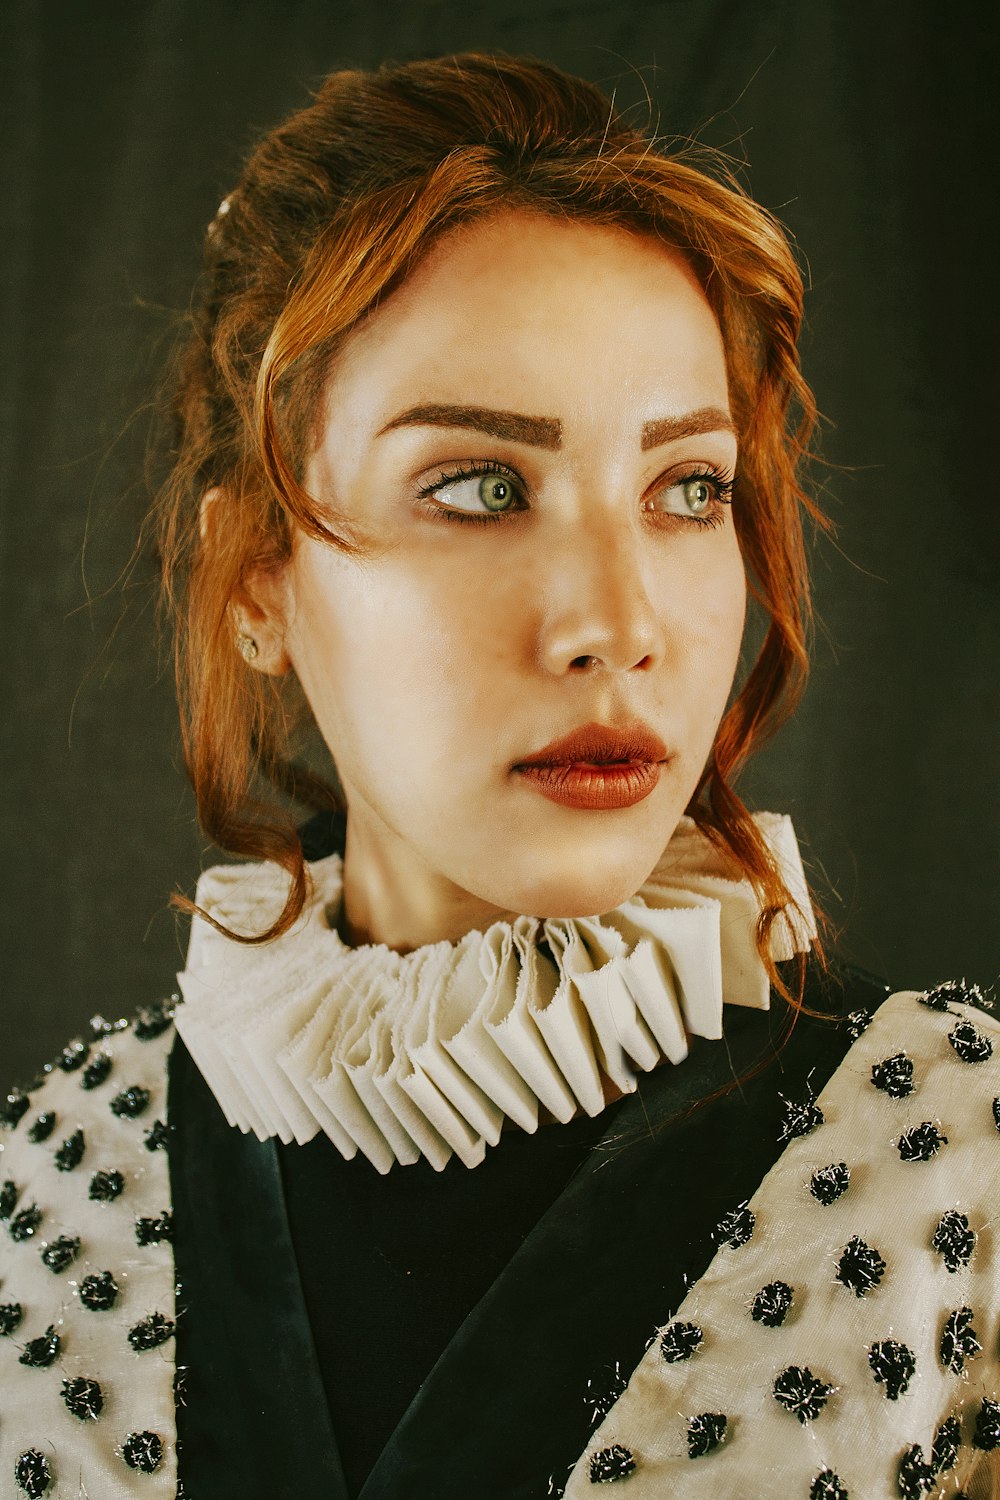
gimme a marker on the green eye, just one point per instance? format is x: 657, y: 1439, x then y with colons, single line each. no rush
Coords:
x: 697, y: 495
x: 494, y: 492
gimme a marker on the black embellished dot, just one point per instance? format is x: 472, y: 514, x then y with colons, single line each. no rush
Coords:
x: 157, y: 1137
x: 958, y: 1341
x: 13, y: 1108
x: 915, y: 1476
x: 860, y: 1267
x: 11, y: 1314
x: 99, y: 1291
x: 23, y: 1225
x: 40, y: 1352
x: 944, y: 1454
x: 969, y: 1043
x: 70, y: 1153
x: 42, y: 1127
x: 771, y: 1304
x: 152, y: 1020
x: 954, y: 1240
x: 920, y: 1142
x: 893, y: 1366
x: 987, y: 1433
x: 941, y: 996
x: 9, y: 1194
x: 151, y: 1332
x: 96, y: 1070
x: 106, y: 1186
x: 61, y: 1253
x: 33, y: 1473
x: 610, y: 1464
x: 602, y: 1395
x: 894, y: 1075
x: 142, y: 1451
x: 996, y: 1112
x: 954, y: 992
x: 705, y: 1432
x: 84, y: 1398
x: 800, y: 1116
x: 827, y: 1486
x: 735, y: 1227
x: 857, y: 1022
x: 827, y: 1184
x: 130, y: 1102
x: 74, y: 1056
x: 679, y: 1341
x: 154, y: 1231
x: 801, y: 1392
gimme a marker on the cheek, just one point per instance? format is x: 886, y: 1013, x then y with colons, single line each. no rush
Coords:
x: 704, y: 611
x: 416, y: 644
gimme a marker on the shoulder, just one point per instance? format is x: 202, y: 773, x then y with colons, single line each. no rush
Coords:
x: 86, y: 1262
x: 105, y: 1091
x: 946, y: 1037
x: 918, y: 1083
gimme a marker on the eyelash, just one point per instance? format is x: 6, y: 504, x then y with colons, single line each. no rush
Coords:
x: 475, y: 469
x: 478, y: 468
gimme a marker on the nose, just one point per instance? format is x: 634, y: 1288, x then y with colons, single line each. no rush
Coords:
x: 597, y: 606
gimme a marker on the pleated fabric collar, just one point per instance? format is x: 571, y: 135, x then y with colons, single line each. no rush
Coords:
x: 428, y: 1053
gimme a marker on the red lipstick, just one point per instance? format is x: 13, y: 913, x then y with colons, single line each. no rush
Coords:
x: 596, y: 767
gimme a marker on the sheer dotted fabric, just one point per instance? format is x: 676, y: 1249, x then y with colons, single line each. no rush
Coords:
x: 88, y: 1406
x: 873, y: 1256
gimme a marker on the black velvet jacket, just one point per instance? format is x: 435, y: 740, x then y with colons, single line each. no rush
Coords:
x: 507, y: 1407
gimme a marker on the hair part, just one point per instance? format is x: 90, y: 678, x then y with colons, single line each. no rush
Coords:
x: 334, y: 210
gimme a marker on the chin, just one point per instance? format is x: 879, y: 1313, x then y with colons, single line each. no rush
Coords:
x: 578, y: 893
x: 581, y: 872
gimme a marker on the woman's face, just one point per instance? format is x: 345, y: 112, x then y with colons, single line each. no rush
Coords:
x: 536, y: 428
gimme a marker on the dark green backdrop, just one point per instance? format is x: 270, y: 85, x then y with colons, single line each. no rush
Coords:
x: 870, y: 130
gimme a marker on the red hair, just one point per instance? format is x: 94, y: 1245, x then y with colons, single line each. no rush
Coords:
x: 334, y: 209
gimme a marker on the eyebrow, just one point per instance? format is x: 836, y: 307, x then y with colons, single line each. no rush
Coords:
x: 690, y: 424
x: 546, y: 432
x: 539, y: 432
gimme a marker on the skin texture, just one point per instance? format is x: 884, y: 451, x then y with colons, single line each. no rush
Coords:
x: 460, y: 649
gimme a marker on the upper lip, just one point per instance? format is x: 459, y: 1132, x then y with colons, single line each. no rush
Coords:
x: 600, y: 743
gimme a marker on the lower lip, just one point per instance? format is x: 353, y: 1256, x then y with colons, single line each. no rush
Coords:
x: 594, y: 787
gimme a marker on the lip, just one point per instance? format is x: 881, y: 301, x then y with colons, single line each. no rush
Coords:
x: 594, y: 788
x: 599, y: 744
x: 596, y: 767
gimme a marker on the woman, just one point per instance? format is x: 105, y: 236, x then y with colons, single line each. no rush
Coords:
x: 488, y: 411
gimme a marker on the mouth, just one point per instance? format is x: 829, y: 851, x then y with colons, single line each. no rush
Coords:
x: 596, y: 767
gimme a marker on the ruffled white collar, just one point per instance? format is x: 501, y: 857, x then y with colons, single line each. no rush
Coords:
x: 425, y: 1054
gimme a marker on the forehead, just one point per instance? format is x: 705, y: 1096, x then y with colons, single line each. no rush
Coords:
x: 522, y: 307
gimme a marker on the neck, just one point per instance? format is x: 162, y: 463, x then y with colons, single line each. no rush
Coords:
x: 390, y: 897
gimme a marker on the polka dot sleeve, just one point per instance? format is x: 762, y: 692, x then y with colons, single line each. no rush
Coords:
x: 86, y: 1271
x: 844, y: 1340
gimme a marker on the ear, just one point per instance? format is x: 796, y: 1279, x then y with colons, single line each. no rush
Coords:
x: 259, y: 609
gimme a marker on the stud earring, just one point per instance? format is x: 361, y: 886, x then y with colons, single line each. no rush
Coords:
x: 246, y: 646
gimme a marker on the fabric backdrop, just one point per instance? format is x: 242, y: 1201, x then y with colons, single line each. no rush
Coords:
x: 868, y: 127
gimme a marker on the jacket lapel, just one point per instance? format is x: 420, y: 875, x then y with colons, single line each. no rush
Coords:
x: 252, y: 1417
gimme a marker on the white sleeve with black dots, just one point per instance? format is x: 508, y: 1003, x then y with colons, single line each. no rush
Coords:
x: 87, y: 1271
x: 844, y: 1344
